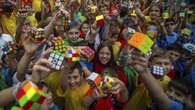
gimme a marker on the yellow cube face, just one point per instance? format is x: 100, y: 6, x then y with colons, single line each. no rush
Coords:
x: 31, y: 92
x: 27, y: 86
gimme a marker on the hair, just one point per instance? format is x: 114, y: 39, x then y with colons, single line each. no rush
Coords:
x: 158, y: 53
x: 85, y: 22
x: 38, y: 16
x: 109, y: 45
x: 181, y: 85
x: 175, y: 47
x: 72, y: 25
x: 70, y: 66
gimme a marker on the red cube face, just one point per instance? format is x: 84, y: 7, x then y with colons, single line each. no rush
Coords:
x: 28, y: 105
x: 100, y: 22
x: 41, y: 100
x: 20, y: 93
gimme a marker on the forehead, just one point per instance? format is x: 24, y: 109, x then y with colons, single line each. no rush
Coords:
x: 161, y: 59
x: 75, y: 72
x: 173, y: 52
x: 155, y: 8
x: 104, y: 49
x: 75, y: 29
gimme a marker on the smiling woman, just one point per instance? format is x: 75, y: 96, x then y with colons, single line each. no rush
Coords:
x: 104, y: 59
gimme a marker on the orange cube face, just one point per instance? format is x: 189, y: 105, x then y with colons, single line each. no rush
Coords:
x: 136, y: 39
x: 27, y: 86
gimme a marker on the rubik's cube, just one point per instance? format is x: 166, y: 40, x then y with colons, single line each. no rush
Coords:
x: 56, y: 59
x: 22, y: 3
x: 93, y: 8
x: 25, y: 6
x: 88, y: 53
x: 30, y: 97
x: 157, y: 70
x: 166, y: 14
x: 100, y: 20
x: 103, y: 84
x: 141, y: 41
x: 37, y: 35
x: 59, y: 45
x: 72, y: 54
x: 16, y: 108
x: 65, y: 20
x: 107, y: 82
x: 95, y: 79
x: 9, y: 49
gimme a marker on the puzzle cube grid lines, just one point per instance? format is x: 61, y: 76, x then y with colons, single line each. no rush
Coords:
x: 166, y: 14
x: 100, y: 20
x: 141, y: 42
x: 56, y: 59
x: 37, y: 35
x: 30, y: 97
x: 186, y: 31
x: 95, y: 78
x: 108, y: 82
x: 88, y: 53
x: 72, y: 54
x: 59, y: 44
x: 157, y: 70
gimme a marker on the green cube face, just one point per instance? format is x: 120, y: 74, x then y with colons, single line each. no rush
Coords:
x: 23, y: 101
x: 35, y: 106
x: 35, y: 97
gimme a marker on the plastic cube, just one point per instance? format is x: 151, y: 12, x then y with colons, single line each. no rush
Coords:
x: 56, y: 59
x: 29, y: 95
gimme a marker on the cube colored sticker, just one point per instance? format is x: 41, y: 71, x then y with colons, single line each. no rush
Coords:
x: 157, y: 70
x: 88, y: 53
x: 186, y: 31
x: 29, y: 95
x: 95, y: 78
x: 100, y: 20
x: 56, y: 59
x: 166, y: 14
x: 72, y: 54
x: 59, y: 45
x: 141, y: 42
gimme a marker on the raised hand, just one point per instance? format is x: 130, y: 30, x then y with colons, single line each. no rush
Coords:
x: 29, y: 46
x: 41, y: 69
x: 140, y: 62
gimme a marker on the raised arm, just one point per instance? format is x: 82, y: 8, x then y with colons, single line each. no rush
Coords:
x: 30, y: 48
x: 154, y: 88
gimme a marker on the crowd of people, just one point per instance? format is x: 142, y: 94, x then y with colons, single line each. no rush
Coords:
x: 110, y: 54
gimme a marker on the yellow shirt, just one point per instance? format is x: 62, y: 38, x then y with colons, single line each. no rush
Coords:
x: 74, y: 97
x: 70, y: 99
x: 9, y: 23
x: 37, y: 5
x: 140, y: 99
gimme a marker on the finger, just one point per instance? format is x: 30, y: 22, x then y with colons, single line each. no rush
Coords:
x: 43, y: 69
x: 46, y: 53
x: 140, y: 63
x: 44, y: 62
